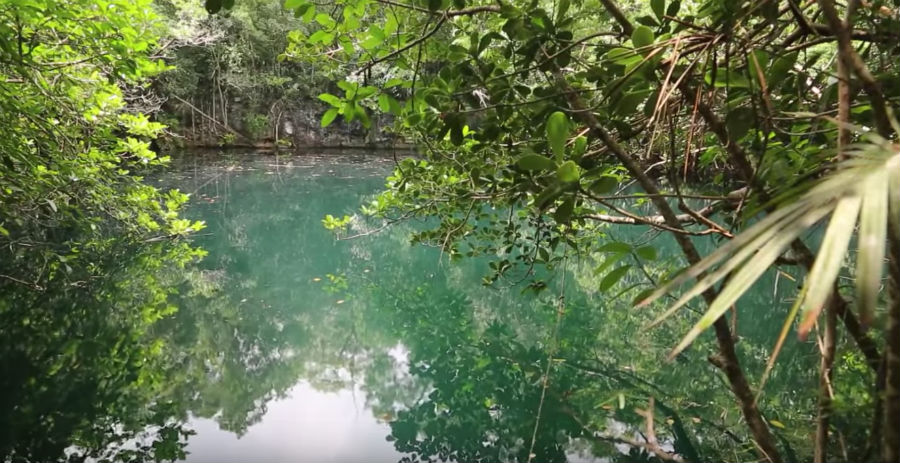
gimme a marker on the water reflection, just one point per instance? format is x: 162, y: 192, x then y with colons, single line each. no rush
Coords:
x: 289, y: 345
x: 307, y: 423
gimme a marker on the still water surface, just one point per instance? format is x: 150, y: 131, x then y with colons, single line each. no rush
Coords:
x: 392, y: 351
x: 290, y: 345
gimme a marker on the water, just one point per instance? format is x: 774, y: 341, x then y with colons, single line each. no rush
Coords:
x: 290, y: 345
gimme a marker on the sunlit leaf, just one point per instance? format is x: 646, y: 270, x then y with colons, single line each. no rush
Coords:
x: 828, y: 261
x: 557, y: 133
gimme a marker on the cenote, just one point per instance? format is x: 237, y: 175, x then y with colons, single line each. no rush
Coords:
x: 467, y: 231
x: 285, y: 343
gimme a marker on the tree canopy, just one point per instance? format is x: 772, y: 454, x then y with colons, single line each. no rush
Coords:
x: 545, y: 124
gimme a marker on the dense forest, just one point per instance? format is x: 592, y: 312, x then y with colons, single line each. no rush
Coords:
x: 643, y: 178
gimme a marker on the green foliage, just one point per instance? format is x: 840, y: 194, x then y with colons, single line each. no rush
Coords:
x: 88, y: 251
x: 532, y: 116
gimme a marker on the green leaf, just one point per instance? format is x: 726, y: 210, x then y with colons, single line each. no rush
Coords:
x: 213, y: 6
x: 741, y: 280
x: 739, y: 121
x: 627, y: 105
x: 362, y: 115
x: 787, y: 222
x: 646, y: 252
x: 561, y: 9
x: 673, y: 8
x: 604, y: 185
x: 329, y: 116
x: 557, y: 133
x: 828, y: 261
x: 613, y: 277
x: 302, y: 10
x: 623, y: 56
x: 641, y: 296
x: 659, y: 8
x: 616, y: 247
x: 291, y: 4
x: 535, y: 162
x: 564, y: 211
x: 330, y: 99
x: 383, y: 103
x: 579, y: 147
x: 546, y: 197
x: 647, y: 20
x: 568, y: 172
x: 642, y: 37
x: 873, y: 224
x: 454, y: 123
x: 434, y: 5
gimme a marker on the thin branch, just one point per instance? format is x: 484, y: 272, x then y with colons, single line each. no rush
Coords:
x: 399, y: 51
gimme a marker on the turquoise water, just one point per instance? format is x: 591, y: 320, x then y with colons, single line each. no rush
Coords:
x: 291, y: 345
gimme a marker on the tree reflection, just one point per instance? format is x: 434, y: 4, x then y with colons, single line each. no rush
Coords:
x: 456, y: 369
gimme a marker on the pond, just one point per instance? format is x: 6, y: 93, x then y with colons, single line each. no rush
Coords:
x: 287, y: 344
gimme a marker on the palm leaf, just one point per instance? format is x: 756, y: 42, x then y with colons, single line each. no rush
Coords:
x: 872, y: 236
x: 749, y: 273
x: 866, y: 186
x: 828, y: 263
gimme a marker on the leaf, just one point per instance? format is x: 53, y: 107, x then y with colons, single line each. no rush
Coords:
x: 604, y: 184
x: 739, y: 283
x: 434, y: 5
x: 748, y: 241
x: 780, y: 68
x: 642, y: 37
x: 627, y: 105
x: 535, y: 162
x: 52, y: 204
x: 557, y: 133
x: 872, y: 236
x: 568, y: 172
x: 775, y: 235
x: 561, y: 9
x: 384, y: 103
x: 646, y: 252
x: 739, y: 121
x: 455, y: 122
x: 213, y: 6
x: 348, y: 88
x: 613, y: 277
x: 362, y: 115
x: 828, y: 261
x: 616, y: 247
x: 658, y: 7
x: 673, y: 8
x: 579, y: 147
x: 330, y: 99
x: 291, y: 4
x: 623, y: 56
x: 564, y: 211
x: 546, y: 197
x: 641, y: 296
x: 329, y: 117
x: 648, y: 21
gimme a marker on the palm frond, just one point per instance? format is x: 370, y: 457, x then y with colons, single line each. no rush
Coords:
x: 865, y: 188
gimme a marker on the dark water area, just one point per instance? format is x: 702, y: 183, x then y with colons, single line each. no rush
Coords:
x: 286, y: 344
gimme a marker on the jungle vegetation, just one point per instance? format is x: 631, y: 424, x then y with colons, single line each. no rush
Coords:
x: 545, y: 130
